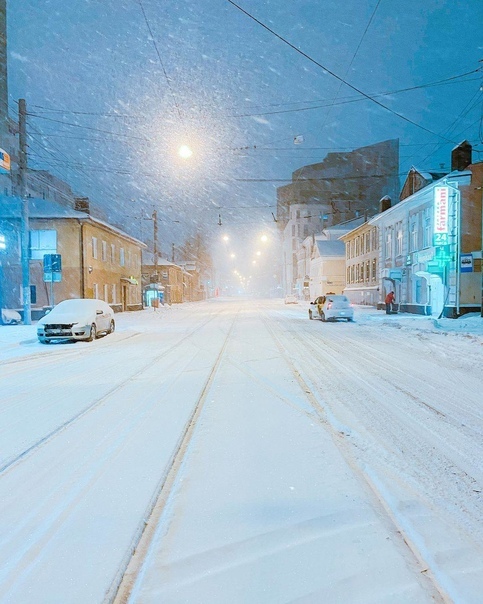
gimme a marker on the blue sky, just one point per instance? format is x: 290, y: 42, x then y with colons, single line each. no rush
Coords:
x: 216, y: 70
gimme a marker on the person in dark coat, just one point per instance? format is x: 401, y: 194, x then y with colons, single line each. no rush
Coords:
x: 390, y: 299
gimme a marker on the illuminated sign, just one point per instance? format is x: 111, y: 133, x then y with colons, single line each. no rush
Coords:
x: 441, y: 203
x: 4, y: 161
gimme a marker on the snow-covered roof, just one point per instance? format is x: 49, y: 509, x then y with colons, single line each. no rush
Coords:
x: 11, y: 208
x: 456, y: 177
x: 330, y: 248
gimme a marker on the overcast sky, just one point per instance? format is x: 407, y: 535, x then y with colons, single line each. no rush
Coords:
x: 215, y: 77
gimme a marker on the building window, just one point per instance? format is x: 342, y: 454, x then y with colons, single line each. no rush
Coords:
x: 306, y: 230
x: 95, y: 290
x: 113, y: 253
x: 41, y: 243
x: 357, y: 246
x: 367, y: 270
x: 374, y: 269
x: 347, y: 250
x: 114, y: 294
x: 413, y: 236
x: 104, y: 251
x: 399, y: 239
x: 348, y: 275
x: 297, y: 214
x: 94, y: 247
x: 388, y: 243
x: 374, y: 239
x: 106, y: 293
x: 293, y: 230
x: 368, y: 242
x: 122, y: 260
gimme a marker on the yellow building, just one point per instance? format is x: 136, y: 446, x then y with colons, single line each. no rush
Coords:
x: 98, y: 260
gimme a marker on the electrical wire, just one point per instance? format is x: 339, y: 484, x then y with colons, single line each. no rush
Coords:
x: 342, y: 101
x: 72, y: 124
x: 161, y: 61
x: 333, y: 74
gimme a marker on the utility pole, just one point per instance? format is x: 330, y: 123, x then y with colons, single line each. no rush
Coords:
x: 22, y: 169
x: 172, y: 253
x: 155, y: 241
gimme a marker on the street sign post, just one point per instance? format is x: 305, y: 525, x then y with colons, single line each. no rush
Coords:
x: 52, y: 272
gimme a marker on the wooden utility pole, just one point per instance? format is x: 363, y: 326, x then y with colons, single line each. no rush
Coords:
x: 22, y: 170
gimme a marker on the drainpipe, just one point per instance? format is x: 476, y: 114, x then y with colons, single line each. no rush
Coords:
x: 82, y: 263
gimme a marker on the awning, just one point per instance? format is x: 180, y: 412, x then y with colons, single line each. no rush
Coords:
x: 130, y: 280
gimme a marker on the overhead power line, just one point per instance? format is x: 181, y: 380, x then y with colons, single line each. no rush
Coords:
x: 336, y: 76
x: 326, y: 102
x: 161, y: 61
x: 72, y: 124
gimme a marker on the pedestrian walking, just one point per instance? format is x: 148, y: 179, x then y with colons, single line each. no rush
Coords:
x: 390, y: 300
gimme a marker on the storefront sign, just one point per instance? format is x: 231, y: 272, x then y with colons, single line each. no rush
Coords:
x: 441, y: 203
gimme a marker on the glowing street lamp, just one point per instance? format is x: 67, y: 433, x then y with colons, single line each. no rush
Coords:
x: 264, y: 238
x: 185, y: 152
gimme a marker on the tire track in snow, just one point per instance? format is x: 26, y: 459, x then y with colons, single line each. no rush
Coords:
x: 132, y: 568
x: 11, y: 462
x: 313, y: 354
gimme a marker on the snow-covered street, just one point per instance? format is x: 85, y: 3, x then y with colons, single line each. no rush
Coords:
x: 234, y: 451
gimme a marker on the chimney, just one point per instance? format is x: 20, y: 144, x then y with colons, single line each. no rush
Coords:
x: 81, y: 204
x: 385, y: 203
x: 461, y: 156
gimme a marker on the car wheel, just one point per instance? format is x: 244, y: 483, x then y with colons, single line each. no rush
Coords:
x: 310, y: 315
x: 93, y: 334
x: 112, y: 327
x: 322, y: 316
x: 349, y: 320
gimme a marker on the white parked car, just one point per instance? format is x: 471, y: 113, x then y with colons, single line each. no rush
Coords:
x: 10, y: 317
x: 291, y: 299
x: 76, y: 319
x: 331, y: 307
